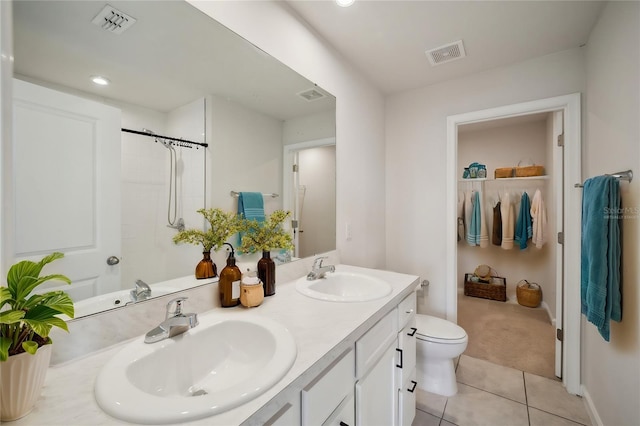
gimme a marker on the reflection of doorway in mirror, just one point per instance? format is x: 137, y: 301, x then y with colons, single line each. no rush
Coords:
x: 315, y: 193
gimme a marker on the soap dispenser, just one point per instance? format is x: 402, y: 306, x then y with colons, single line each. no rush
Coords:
x: 229, y: 283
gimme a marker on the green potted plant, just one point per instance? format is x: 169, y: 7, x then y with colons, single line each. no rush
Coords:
x: 25, y: 322
x: 266, y: 236
x: 221, y: 226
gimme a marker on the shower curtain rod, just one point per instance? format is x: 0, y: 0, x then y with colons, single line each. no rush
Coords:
x: 624, y: 175
x: 153, y: 135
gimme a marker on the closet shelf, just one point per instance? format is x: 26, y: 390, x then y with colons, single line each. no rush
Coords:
x: 545, y: 177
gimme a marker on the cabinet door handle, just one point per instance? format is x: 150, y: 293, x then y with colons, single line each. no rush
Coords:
x: 343, y: 424
x: 413, y: 388
x: 399, y: 365
x: 413, y: 331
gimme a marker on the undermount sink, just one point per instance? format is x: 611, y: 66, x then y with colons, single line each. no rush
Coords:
x: 344, y: 286
x: 218, y: 365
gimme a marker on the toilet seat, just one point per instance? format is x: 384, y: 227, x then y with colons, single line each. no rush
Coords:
x: 437, y: 330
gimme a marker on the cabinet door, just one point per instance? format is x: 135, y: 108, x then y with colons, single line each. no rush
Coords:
x: 407, y: 400
x: 406, y: 354
x: 288, y: 415
x: 376, y: 393
x: 325, y: 393
x: 345, y: 414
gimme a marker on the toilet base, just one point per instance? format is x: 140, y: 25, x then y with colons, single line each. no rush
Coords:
x: 437, y: 376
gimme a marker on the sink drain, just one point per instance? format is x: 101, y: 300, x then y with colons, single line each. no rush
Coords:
x: 199, y: 392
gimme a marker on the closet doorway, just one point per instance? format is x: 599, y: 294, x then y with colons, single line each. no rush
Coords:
x: 309, y: 192
x: 556, y: 122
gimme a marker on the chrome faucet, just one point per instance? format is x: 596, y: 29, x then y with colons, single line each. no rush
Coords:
x: 318, y: 271
x: 141, y: 292
x: 175, y: 322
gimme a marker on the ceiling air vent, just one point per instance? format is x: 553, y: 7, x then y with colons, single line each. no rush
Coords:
x: 447, y: 53
x: 311, y: 95
x: 112, y: 20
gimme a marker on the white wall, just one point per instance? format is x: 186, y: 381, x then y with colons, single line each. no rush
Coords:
x: 416, y: 149
x: 505, y: 146
x: 309, y: 127
x: 611, y: 372
x: 277, y: 30
x: 246, y: 155
x: 6, y: 114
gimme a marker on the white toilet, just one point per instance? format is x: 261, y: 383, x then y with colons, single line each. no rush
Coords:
x: 438, y: 343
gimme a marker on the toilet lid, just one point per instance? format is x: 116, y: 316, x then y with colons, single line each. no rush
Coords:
x: 437, y: 329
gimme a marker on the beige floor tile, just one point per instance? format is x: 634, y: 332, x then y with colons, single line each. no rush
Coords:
x: 425, y: 419
x: 540, y: 418
x: 446, y: 423
x: 472, y: 406
x: 550, y: 396
x: 430, y: 402
x: 481, y: 374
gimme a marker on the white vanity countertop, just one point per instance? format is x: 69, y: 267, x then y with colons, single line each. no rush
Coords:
x: 321, y: 330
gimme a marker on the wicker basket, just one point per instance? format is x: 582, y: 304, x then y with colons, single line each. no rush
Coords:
x: 529, y: 294
x: 495, y: 289
x: 526, y: 171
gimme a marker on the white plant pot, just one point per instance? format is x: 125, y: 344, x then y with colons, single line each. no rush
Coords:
x: 22, y: 379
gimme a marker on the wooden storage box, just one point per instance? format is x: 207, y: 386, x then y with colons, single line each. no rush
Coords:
x: 527, y: 171
x: 494, y: 290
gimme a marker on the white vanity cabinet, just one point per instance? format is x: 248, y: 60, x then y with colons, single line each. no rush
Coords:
x: 286, y: 416
x: 345, y: 414
x: 376, y: 401
x: 323, y: 398
x: 376, y: 392
x: 406, y: 365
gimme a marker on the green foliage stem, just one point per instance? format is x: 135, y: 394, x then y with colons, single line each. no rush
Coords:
x: 267, y: 235
x: 221, y: 226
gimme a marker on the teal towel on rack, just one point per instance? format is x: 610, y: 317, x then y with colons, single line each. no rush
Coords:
x: 524, y: 228
x: 600, y: 255
x: 250, y: 206
x: 473, y: 234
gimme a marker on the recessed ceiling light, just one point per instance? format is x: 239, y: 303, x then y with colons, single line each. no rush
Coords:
x: 345, y: 3
x: 98, y: 79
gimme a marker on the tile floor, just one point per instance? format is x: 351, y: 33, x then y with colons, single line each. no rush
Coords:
x: 493, y: 395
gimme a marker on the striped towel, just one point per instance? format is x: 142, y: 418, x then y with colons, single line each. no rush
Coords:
x: 250, y: 206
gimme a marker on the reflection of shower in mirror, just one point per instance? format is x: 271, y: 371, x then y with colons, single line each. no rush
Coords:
x: 173, y: 184
x: 302, y: 191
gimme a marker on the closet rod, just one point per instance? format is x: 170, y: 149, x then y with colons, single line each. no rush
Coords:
x: 153, y: 135
x: 272, y: 195
x: 625, y: 175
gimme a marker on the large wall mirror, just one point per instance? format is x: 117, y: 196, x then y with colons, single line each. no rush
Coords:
x: 112, y: 200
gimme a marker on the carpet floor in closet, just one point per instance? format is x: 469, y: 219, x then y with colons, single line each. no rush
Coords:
x: 508, y: 334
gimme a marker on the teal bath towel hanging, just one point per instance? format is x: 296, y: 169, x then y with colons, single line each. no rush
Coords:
x: 250, y: 206
x: 600, y: 254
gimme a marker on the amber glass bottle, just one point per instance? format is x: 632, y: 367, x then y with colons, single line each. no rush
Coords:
x: 229, y: 284
x: 267, y: 273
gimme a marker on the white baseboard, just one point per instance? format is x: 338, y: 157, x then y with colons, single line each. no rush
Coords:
x: 591, y: 409
x: 551, y: 317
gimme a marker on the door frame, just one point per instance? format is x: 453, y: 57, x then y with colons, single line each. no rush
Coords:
x: 570, y: 105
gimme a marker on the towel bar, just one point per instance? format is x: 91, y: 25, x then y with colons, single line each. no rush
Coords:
x: 625, y: 175
x: 272, y: 195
